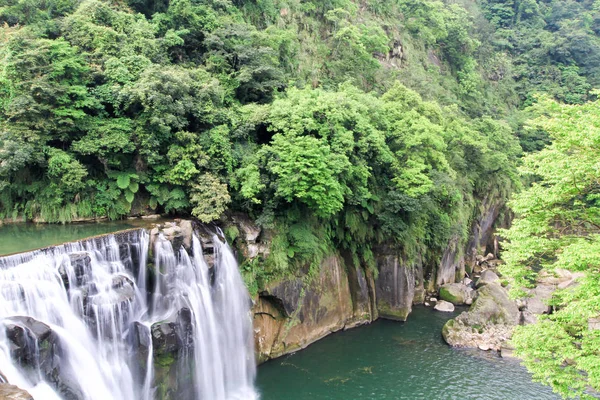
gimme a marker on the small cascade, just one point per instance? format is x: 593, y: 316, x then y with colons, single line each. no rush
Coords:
x: 86, y: 321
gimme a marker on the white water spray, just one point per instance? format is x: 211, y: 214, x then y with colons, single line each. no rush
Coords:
x: 86, y: 299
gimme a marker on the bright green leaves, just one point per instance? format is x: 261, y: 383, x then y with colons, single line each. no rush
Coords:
x: 65, y: 170
x: 308, y: 171
x: 557, y: 227
x: 108, y: 139
x: 127, y: 183
x: 123, y: 180
x: 209, y: 198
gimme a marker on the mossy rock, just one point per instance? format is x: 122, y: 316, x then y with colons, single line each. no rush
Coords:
x: 455, y: 293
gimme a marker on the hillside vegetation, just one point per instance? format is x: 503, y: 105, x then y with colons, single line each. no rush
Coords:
x: 336, y: 124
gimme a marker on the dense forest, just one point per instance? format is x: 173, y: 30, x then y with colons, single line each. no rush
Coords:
x: 335, y: 124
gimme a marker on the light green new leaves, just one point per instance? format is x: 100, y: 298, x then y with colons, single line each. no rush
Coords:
x: 558, y: 226
x: 308, y: 171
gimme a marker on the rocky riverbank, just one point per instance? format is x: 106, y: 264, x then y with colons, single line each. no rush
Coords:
x: 493, y: 315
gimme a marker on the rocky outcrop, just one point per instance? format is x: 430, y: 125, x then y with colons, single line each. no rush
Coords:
x: 37, y: 348
x: 11, y: 392
x: 178, y: 232
x: 487, y: 277
x: 293, y: 313
x: 487, y: 324
x: 396, y: 286
x: 452, y: 264
x: 482, y: 239
x: 172, y: 343
x: 457, y: 293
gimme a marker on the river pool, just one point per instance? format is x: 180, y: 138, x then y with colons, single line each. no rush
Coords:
x: 393, y: 360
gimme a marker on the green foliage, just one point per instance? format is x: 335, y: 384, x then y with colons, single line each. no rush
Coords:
x: 209, y: 197
x: 553, y: 47
x: 557, y: 227
x: 291, y: 112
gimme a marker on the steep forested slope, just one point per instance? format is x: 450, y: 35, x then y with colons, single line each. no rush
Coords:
x: 339, y: 124
x: 336, y: 124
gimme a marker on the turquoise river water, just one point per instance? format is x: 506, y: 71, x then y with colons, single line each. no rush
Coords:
x: 15, y: 238
x: 393, y: 360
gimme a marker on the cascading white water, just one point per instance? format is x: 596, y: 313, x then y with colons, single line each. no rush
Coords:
x: 85, y: 299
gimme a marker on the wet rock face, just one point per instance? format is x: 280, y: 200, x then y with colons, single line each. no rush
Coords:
x: 164, y: 337
x: 24, y: 335
x: 81, y: 264
x: 395, y: 287
x: 172, y: 336
x: 37, y: 348
x: 11, y: 392
x: 285, y: 296
x: 293, y: 313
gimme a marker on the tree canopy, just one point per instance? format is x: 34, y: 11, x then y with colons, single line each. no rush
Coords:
x: 557, y: 227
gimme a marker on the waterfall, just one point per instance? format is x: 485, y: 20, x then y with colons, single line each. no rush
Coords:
x: 80, y: 321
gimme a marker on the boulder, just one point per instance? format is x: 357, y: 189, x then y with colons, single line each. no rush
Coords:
x: 249, y: 229
x: 142, y: 340
x: 187, y: 232
x: 174, y: 234
x: 487, y: 276
x: 527, y: 318
x: 77, y: 269
x: 34, y: 345
x: 594, y: 324
x: 173, y: 335
x: 537, y: 303
x: 507, y: 351
x: 164, y: 337
x: 456, y: 293
x: 488, y: 323
x: 11, y: 392
x: 32, y: 342
x: 122, y: 291
x: 444, y: 306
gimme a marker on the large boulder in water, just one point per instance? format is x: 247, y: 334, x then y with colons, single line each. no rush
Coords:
x: 11, y: 392
x: 80, y: 263
x: 122, y: 290
x: 488, y: 323
x: 457, y: 293
x: 444, y: 306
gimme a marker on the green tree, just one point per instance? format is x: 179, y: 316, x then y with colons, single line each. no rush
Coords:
x: 557, y: 226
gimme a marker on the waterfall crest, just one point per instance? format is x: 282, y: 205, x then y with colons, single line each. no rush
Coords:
x: 81, y: 320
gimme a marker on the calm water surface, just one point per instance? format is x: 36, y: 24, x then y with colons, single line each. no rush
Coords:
x: 19, y: 237
x: 392, y: 360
